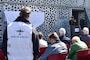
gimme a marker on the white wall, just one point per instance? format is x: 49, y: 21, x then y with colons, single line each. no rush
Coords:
x: 87, y: 3
x: 80, y: 2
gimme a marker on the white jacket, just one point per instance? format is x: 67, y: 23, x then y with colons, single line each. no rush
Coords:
x: 43, y: 43
x: 19, y: 45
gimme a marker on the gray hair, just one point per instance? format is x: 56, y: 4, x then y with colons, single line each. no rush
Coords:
x: 62, y: 31
x: 85, y: 30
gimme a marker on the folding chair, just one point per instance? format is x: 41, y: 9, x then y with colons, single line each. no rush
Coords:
x: 83, y: 54
x: 42, y: 50
x: 88, y: 44
x: 68, y: 47
x: 2, y: 56
x: 57, y: 56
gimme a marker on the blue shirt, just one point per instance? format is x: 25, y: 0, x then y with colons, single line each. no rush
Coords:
x: 55, y: 48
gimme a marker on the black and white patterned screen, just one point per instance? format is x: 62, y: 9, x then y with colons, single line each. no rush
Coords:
x: 57, y: 13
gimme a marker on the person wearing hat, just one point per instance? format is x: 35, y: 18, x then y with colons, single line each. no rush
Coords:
x: 21, y: 37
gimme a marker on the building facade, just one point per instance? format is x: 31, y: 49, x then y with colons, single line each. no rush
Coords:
x: 57, y: 13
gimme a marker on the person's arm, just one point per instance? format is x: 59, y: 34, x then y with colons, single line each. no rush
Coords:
x: 69, y: 41
x: 4, y: 43
x: 72, y: 51
x: 48, y: 52
x: 35, y: 42
x: 69, y: 22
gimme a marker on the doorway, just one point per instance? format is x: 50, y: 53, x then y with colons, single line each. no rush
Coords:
x: 80, y: 17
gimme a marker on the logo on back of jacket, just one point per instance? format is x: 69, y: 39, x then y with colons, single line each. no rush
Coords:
x: 20, y: 34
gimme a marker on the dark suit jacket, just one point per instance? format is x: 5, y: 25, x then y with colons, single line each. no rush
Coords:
x: 65, y: 39
x: 85, y: 38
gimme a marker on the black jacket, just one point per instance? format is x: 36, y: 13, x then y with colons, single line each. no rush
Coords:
x: 85, y: 38
x: 34, y: 38
x: 65, y: 39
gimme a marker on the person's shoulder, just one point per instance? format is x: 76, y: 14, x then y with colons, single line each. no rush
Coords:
x: 79, y: 44
x: 70, y: 21
x: 66, y: 38
x: 12, y: 24
x: 55, y: 44
x: 28, y: 25
x: 75, y: 44
x: 62, y: 43
x: 81, y: 36
x: 42, y: 40
x: 89, y: 36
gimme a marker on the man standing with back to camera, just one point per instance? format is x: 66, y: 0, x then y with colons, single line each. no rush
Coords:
x: 22, y: 41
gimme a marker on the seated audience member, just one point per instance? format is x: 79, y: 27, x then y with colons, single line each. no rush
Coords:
x: 55, y: 47
x: 77, y: 45
x: 62, y: 36
x: 85, y: 35
x: 42, y: 42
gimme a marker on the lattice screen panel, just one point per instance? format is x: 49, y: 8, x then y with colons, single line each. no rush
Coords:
x: 44, y: 2
x: 50, y: 16
x: 56, y: 16
x: 63, y: 19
